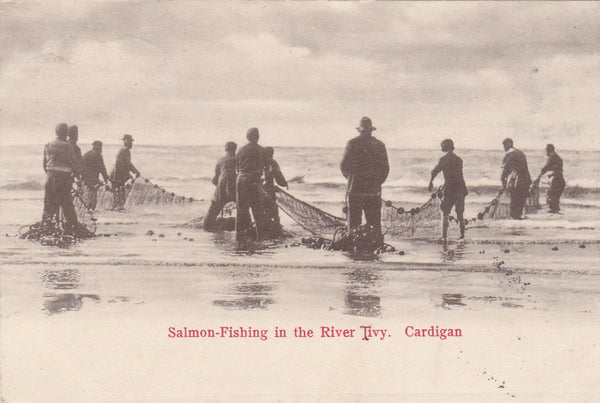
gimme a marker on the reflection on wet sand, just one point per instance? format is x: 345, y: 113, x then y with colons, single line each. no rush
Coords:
x: 59, y: 303
x: 361, y: 298
x: 65, y: 279
x: 246, y: 294
x: 451, y: 255
x: 450, y: 300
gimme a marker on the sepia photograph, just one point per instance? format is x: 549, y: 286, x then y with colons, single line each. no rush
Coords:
x: 299, y: 201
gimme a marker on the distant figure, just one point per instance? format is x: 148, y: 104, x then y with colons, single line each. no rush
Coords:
x: 365, y: 165
x: 250, y: 165
x: 72, y: 138
x: 121, y: 173
x: 224, y: 179
x: 59, y: 164
x: 455, y: 189
x: 272, y: 175
x: 515, y: 178
x: 93, y: 166
x: 554, y: 165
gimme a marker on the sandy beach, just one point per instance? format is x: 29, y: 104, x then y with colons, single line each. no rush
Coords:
x: 100, y: 313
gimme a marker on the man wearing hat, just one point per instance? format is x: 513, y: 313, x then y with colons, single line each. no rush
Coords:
x: 554, y: 164
x: 224, y: 180
x: 59, y: 164
x: 93, y: 166
x: 365, y: 165
x: 122, y: 171
x: 251, y: 160
x: 455, y: 189
x: 515, y: 178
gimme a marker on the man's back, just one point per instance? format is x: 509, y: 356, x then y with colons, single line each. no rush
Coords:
x: 515, y: 161
x: 58, y: 156
x: 365, y: 164
x: 251, y: 160
x: 93, y: 165
x: 554, y: 164
x: 452, y: 167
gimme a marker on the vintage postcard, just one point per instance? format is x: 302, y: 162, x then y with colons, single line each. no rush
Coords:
x: 299, y: 201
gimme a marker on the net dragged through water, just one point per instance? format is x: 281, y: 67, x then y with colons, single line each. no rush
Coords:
x: 139, y: 192
x: 416, y: 221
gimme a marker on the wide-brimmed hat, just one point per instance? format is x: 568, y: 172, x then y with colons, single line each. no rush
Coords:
x: 127, y: 137
x: 366, y: 124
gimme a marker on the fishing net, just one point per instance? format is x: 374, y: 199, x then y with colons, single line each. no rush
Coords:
x: 135, y: 193
x: 423, y: 220
x: 309, y: 217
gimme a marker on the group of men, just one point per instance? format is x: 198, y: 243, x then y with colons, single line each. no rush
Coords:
x: 365, y: 165
x: 247, y: 177
x: 64, y: 164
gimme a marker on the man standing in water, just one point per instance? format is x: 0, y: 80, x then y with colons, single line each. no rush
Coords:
x: 121, y: 173
x: 515, y: 178
x: 72, y: 138
x: 455, y: 189
x: 365, y: 165
x: 554, y: 165
x: 59, y: 165
x: 224, y: 179
x: 273, y: 175
x: 93, y: 166
x: 250, y: 161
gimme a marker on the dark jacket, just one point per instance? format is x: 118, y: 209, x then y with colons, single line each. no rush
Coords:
x: 365, y: 165
x: 251, y: 160
x: 554, y: 164
x: 121, y: 172
x: 224, y: 179
x: 515, y: 173
x: 59, y: 156
x: 273, y: 174
x: 452, y: 167
x: 93, y: 165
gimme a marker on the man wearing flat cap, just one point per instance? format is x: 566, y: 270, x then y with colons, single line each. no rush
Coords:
x: 515, y: 178
x: 93, y: 167
x: 250, y: 160
x: 365, y: 165
x: 554, y: 164
x: 122, y: 171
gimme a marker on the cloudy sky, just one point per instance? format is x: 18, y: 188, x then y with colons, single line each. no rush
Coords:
x: 183, y: 72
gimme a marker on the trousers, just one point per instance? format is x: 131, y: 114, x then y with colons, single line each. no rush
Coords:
x: 248, y: 198
x: 57, y: 194
x: 370, y: 205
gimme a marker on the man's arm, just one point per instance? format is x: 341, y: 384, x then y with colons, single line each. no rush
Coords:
x: 133, y: 169
x: 103, y: 169
x: 385, y: 165
x: 45, y: 161
x: 215, y: 179
x: 346, y: 164
x: 506, y: 168
x: 277, y: 174
x: 434, y: 172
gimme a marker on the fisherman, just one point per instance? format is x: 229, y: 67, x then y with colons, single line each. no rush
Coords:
x: 515, y: 178
x: 554, y: 164
x: 365, y: 165
x: 72, y: 138
x: 93, y: 166
x: 273, y: 175
x: 59, y: 164
x: 455, y: 189
x: 250, y: 161
x: 224, y: 180
x: 122, y: 171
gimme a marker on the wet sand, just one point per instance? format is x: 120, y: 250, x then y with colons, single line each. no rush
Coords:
x: 91, y: 322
